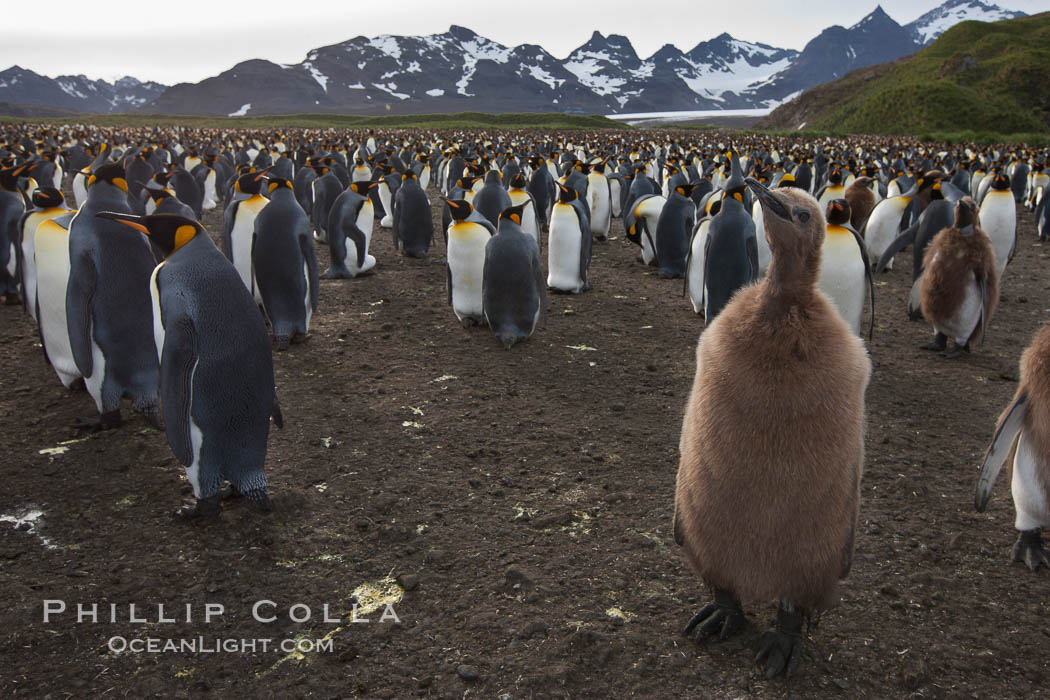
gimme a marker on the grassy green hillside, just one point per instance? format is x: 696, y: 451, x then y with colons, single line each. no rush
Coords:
x: 461, y: 120
x: 977, y: 77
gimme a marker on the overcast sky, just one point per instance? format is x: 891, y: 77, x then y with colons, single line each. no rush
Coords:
x: 189, y: 40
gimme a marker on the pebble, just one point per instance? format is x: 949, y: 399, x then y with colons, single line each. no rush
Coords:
x: 467, y: 673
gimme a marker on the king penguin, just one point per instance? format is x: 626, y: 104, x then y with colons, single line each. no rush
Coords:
x: 12, y: 207
x: 49, y: 205
x: 960, y: 282
x: 514, y: 293
x: 731, y: 254
x: 887, y: 219
x: 568, y: 244
x: 772, y: 443
x: 1024, y: 432
x: 518, y: 196
x: 998, y: 218
x: 51, y: 254
x: 350, y: 233
x: 107, y: 304
x: 599, y: 200
x: 217, y: 404
x: 673, y: 231
x: 412, y: 225
x: 845, y: 272
x: 285, y: 264
x: 238, y: 226
x: 465, y: 261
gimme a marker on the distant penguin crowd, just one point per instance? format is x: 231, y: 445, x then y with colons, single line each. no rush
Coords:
x: 776, y: 241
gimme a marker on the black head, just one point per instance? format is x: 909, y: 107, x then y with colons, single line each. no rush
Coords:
x: 566, y: 194
x: 47, y: 197
x: 112, y: 173
x: 276, y: 183
x: 250, y: 183
x: 459, y: 208
x: 517, y: 180
x: 838, y: 212
x: 362, y: 186
x: 512, y: 214
x: 169, y: 232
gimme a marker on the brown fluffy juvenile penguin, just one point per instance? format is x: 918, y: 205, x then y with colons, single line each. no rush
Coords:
x: 959, y: 288
x: 861, y: 201
x: 1023, y: 435
x: 772, y: 442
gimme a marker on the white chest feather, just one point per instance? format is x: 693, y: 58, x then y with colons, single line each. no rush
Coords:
x: 563, y: 249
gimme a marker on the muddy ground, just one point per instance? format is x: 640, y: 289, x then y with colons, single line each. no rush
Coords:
x: 524, y: 500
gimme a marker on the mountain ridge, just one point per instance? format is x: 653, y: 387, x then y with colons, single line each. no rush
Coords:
x: 466, y: 71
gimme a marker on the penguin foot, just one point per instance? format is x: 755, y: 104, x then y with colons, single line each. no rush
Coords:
x: 724, y: 617
x: 334, y: 274
x: 1029, y: 549
x: 259, y: 500
x: 939, y: 342
x: 203, y: 508
x: 282, y: 342
x: 956, y: 351
x: 780, y: 649
x: 105, y: 421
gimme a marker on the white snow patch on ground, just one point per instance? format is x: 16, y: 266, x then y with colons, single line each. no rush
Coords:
x: 355, y: 86
x: 413, y: 67
x: 28, y: 521
x: 586, y: 65
x: 391, y: 88
x: 479, y: 49
x: 436, y: 92
x: 242, y: 111
x: 71, y: 90
x: 320, y: 77
x: 544, y: 77
x: 387, y: 44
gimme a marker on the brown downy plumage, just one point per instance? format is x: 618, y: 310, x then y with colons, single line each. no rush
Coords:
x: 1027, y: 418
x: 861, y: 201
x: 772, y: 441
x: 958, y: 258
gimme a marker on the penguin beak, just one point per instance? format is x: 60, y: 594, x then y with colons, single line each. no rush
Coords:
x: 769, y: 201
x: 126, y: 219
x: 262, y: 173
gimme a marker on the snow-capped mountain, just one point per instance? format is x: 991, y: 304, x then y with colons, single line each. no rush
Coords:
x: 76, y: 92
x: 460, y: 70
x: 876, y: 38
x: 935, y: 22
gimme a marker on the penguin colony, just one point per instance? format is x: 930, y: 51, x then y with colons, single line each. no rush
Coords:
x: 776, y: 244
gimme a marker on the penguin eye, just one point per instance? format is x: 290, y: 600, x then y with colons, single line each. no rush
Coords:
x: 803, y: 216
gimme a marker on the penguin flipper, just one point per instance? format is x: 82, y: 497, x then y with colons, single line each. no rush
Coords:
x: 540, y: 280
x: 178, y: 360
x: 228, y: 217
x: 310, y: 257
x: 983, y: 281
x: 676, y: 526
x: 351, y: 231
x: 871, y: 280
x: 751, y: 243
x: 999, y: 451
x: 79, y: 293
x: 40, y: 331
x: 275, y: 412
x: 899, y: 243
x: 448, y: 282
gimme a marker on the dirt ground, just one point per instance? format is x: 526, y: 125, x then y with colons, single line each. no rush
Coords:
x: 524, y: 501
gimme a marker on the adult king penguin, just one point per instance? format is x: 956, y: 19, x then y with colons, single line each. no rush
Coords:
x: 568, y: 244
x: 285, y: 264
x: 845, y: 272
x: 772, y: 443
x: 238, y: 226
x: 514, y: 293
x: 465, y: 261
x: 107, y: 304
x: 217, y: 403
x: 350, y: 232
